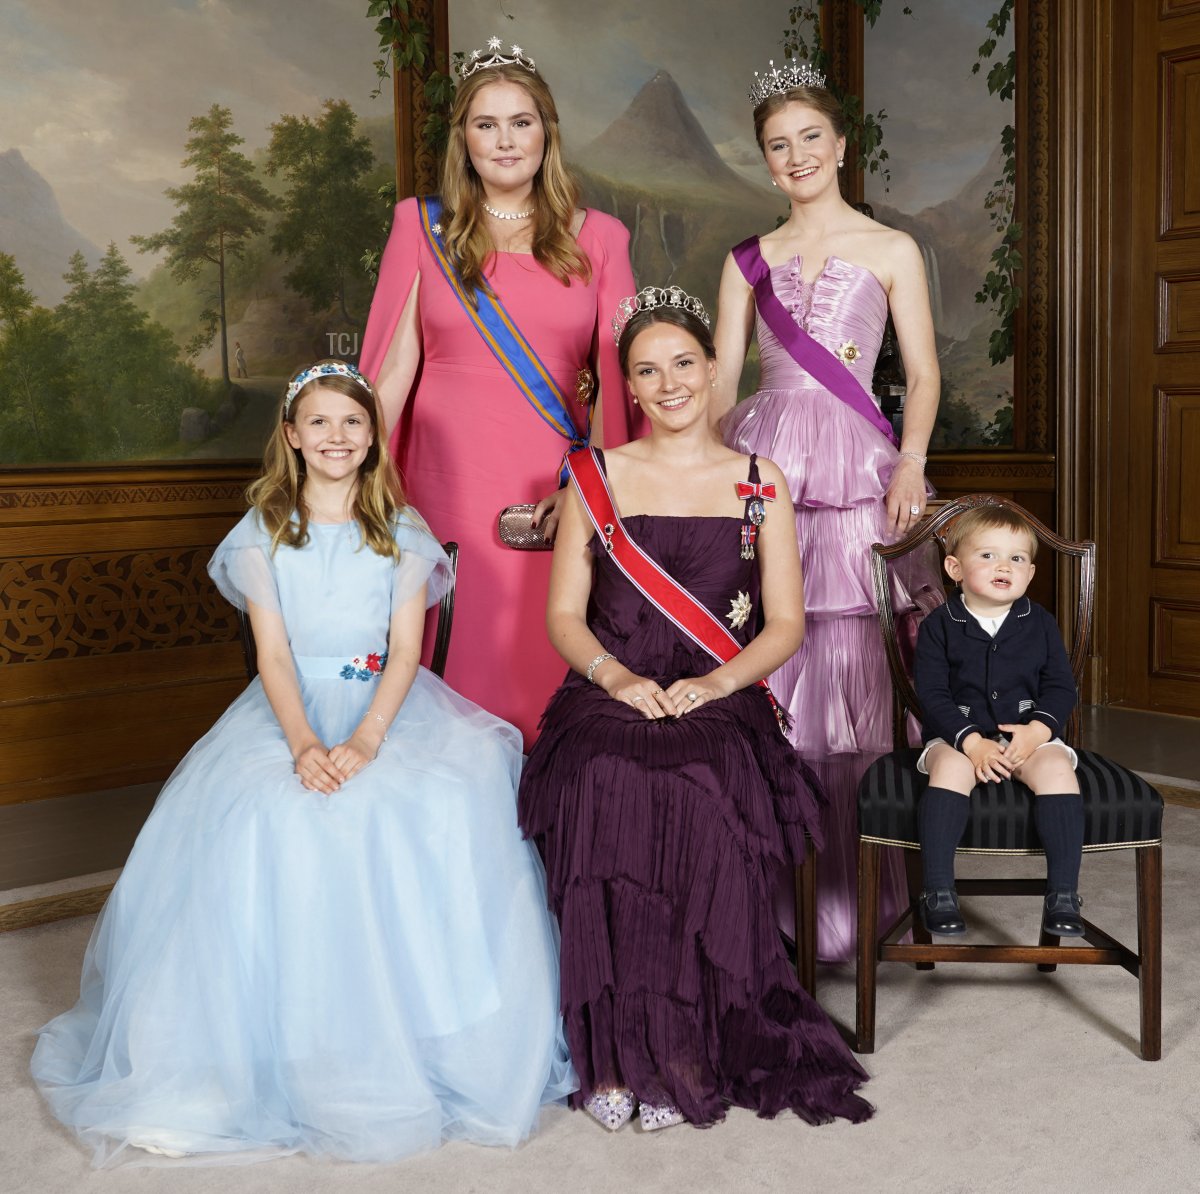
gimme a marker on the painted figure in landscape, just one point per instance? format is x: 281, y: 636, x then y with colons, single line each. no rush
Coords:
x: 485, y: 344
x: 817, y: 292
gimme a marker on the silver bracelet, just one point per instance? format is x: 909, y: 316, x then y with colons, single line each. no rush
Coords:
x: 591, y: 668
x: 377, y: 717
x: 921, y: 460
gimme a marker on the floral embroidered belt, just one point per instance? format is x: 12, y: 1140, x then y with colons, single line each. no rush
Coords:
x: 368, y: 666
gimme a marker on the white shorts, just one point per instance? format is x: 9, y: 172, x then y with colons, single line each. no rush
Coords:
x: 924, y: 769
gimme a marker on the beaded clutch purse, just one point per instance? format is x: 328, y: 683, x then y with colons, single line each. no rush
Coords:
x: 516, y: 531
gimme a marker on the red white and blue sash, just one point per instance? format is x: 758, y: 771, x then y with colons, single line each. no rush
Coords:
x: 502, y: 336
x: 814, y: 358
x: 658, y: 587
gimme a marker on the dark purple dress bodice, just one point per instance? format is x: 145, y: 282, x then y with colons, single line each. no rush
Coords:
x: 703, y: 555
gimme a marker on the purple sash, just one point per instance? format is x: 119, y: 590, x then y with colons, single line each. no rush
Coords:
x: 812, y: 357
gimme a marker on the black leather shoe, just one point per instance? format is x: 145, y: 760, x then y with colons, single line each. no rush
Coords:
x: 940, y: 914
x: 1061, y: 917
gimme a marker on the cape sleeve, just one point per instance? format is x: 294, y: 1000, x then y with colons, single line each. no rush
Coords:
x: 241, y: 566
x: 422, y: 562
x: 609, y: 255
x: 397, y: 272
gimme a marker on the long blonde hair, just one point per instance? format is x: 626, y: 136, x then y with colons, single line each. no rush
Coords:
x: 278, y: 494
x: 555, y: 190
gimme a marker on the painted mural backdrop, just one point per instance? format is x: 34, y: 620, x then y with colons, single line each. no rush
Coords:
x: 187, y: 191
x: 942, y: 134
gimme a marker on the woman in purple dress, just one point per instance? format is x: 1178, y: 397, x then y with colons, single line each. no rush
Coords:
x: 661, y: 792
x: 819, y: 288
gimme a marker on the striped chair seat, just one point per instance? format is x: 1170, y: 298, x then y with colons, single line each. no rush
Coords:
x: 1121, y: 810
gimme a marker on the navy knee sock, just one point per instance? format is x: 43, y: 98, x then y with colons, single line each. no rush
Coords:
x: 1059, y: 821
x: 941, y: 819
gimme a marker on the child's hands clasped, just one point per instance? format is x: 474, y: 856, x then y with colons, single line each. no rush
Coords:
x: 317, y: 770
x: 988, y: 758
x: 1024, y: 740
x: 351, y: 756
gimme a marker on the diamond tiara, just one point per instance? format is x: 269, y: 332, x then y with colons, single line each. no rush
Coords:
x: 324, y: 369
x: 477, y: 61
x: 655, y: 296
x: 775, y: 81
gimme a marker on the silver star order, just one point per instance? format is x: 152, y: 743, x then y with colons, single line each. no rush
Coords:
x: 739, y: 611
x: 436, y: 229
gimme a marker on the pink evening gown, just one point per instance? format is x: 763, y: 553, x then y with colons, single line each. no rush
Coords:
x: 836, y: 688
x: 469, y: 443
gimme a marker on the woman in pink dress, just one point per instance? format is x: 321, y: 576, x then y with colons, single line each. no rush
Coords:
x: 819, y: 288
x: 481, y: 413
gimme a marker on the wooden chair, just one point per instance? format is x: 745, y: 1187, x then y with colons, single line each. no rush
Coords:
x: 1121, y: 811
x: 441, y: 642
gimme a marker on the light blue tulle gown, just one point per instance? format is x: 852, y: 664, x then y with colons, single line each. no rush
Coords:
x: 361, y: 975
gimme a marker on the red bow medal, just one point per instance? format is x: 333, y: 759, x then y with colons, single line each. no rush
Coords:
x: 754, y: 494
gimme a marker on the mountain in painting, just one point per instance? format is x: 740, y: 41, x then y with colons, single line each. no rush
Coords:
x: 34, y: 230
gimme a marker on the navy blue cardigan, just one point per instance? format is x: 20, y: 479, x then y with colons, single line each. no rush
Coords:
x: 966, y: 680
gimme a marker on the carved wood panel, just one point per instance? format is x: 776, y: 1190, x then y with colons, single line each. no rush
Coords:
x: 116, y: 650
x: 1177, y: 479
x: 1179, y: 311
x: 1179, y: 90
x: 1176, y: 640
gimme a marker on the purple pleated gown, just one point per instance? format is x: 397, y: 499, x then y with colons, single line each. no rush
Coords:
x: 663, y: 841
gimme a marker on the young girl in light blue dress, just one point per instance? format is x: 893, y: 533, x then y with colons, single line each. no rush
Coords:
x: 329, y: 937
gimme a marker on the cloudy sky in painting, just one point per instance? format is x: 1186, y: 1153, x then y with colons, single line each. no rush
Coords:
x: 942, y: 125
x: 97, y: 96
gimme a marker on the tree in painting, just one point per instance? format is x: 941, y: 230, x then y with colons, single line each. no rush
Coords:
x: 218, y: 212
x: 330, y: 216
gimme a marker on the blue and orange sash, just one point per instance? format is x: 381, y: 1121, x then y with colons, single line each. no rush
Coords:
x: 502, y: 336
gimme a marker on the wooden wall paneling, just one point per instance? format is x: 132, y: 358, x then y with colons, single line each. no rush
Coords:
x: 1090, y: 219
x: 1153, y: 507
x: 116, y: 651
x: 1177, y: 479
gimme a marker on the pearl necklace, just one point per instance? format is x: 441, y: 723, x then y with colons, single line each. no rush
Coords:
x: 508, y: 215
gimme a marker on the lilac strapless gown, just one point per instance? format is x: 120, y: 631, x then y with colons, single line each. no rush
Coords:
x: 662, y: 841
x: 836, y: 688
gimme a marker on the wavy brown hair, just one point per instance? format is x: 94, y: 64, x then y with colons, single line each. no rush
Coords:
x: 819, y: 98
x: 555, y: 190
x: 278, y: 494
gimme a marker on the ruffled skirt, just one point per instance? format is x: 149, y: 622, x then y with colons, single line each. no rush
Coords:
x: 836, y: 688
x: 662, y: 841
x: 359, y: 976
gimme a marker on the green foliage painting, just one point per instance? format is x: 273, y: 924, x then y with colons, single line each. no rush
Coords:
x: 200, y: 233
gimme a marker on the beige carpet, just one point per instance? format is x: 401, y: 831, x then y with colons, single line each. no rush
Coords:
x: 985, y: 1079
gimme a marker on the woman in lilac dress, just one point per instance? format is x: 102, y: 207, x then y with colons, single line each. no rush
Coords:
x: 819, y: 288
x: 663, y: 796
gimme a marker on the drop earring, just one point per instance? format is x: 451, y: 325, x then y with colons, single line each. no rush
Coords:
x: 841, y: 163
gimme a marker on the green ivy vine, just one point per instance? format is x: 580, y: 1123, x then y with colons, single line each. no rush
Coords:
x: 406, y: 43
x: 1000, y: 287
x: 864, y: 130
